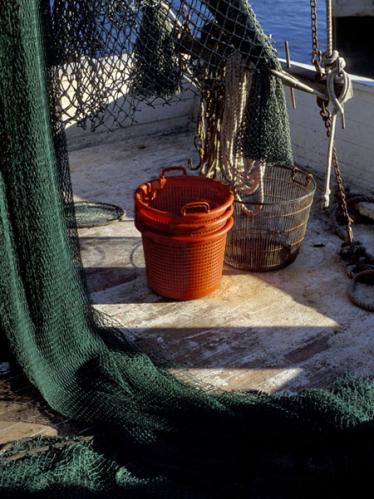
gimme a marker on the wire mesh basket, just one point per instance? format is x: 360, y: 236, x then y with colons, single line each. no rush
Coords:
x: 271, y: 224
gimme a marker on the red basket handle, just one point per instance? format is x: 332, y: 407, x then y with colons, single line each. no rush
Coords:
x: 146, y: 193
x: 195, y: 206
x: 172, y: 168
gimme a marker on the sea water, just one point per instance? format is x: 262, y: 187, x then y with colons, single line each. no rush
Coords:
x: 287, y: 20
x: 291, y: 20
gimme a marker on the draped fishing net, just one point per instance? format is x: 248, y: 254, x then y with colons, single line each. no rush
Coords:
x: 153, y: 436
x: 112, y: 55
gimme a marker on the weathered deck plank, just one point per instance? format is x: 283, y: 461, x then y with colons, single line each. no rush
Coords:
x: 289, y: 329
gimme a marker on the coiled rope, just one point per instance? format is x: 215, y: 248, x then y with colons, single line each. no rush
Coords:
x: 364, y: 276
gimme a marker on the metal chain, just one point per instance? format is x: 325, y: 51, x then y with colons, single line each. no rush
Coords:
x: 341, y: 192
x: 313, y: 7
x: 342, y: 197
x: 316, y: 52
x: 353, y: 252
x: 326, y: 114
x: 360, y: 264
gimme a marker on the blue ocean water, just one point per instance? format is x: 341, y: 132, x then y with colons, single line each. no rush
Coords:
x: 290, y: 20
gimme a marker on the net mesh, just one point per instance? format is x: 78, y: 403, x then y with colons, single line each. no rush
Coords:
x: 120, y: 53
x: 88, y: 214
x: 110, y: 56
x: 154, y: 436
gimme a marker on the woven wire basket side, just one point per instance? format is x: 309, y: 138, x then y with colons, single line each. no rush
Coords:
x: 269, y: 231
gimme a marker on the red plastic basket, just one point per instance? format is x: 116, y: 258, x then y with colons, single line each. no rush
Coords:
x: 184, y: 267
x: 183, y: 204
x: 143, y: 219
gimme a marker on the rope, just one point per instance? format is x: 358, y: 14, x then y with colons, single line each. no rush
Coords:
x: 219, y: 134
x: 352, y: 251
x: 356, y: 199
x: 366, y: 275
x: 237, y: 86
x: 209, y: 127
x: 244, y: 175
x: 336, y: 74
x: 330, y: 28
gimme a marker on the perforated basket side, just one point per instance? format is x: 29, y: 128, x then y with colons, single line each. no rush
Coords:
x: 268, y: 234
x: 185, y: 268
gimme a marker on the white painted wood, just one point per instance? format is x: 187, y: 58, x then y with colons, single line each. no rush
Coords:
x: 179, y: 114
x: 345, y: 8
x: 355, y: 144
x: 117, y: 70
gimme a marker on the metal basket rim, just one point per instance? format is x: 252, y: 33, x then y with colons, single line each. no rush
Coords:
x: 116, y: 211
x: 287, y: 201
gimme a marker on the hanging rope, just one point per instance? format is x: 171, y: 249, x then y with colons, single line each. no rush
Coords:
x: 330, y: 27
x: 244, y: 175
x: 367, y: 277
x: 220, y: 134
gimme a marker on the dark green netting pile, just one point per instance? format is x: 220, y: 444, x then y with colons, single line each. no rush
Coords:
x: 154, y: 436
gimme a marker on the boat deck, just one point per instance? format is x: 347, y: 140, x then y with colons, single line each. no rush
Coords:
x: 287, y: 330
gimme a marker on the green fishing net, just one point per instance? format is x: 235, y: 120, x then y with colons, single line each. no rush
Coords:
x: 112, y: 55
x: 153, y: 436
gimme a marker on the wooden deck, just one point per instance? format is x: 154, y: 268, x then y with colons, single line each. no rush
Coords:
x: 287, y: 330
